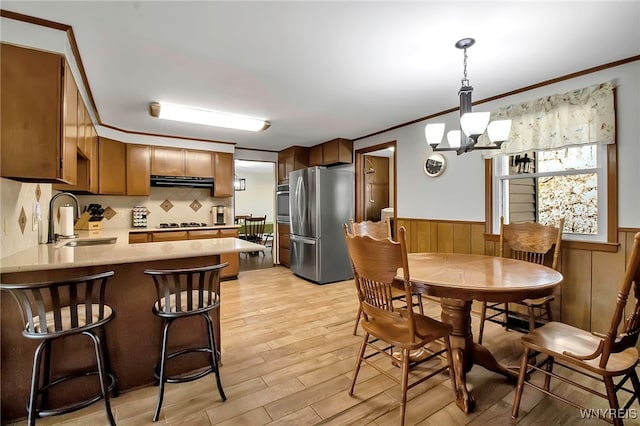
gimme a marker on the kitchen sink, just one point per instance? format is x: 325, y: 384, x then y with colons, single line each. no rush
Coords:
x: 90, y: 242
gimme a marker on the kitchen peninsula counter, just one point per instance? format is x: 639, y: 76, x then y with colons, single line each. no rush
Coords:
x: 59, y: 256
x: 133, y: 337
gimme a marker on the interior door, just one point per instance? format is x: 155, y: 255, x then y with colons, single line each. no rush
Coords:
x: 376, y: 186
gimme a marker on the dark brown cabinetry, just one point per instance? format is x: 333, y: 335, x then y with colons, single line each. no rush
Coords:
x: 112, y: 170
x: 138, y: 169
x: 36, y: 87
x: 284, y: 249
x: 222, y: 174
x: 290, y: 159
x: 233, y: 259
x: 337, y: 151
x: 315, y: 155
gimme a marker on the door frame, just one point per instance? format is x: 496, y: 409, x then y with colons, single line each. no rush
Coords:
x: 359, y: 177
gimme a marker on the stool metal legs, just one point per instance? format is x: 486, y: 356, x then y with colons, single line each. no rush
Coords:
x: 44, y: 349
x: 164, y: 356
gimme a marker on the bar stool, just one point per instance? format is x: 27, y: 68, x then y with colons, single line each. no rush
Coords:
x: 183, y: 293
x: 56, y: 309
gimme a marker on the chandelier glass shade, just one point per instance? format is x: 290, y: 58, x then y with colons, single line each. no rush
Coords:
x: 472, y: 124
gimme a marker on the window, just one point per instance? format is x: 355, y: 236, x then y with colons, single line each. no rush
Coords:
x: 543, y: 186
x: 559, y: 161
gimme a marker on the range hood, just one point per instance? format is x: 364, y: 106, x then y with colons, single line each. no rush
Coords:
x: 181, y: 182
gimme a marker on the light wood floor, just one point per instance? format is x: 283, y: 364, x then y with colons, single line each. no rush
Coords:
x: 288, y: 356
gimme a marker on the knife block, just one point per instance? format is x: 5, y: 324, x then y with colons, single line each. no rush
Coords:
x: 85, y: 224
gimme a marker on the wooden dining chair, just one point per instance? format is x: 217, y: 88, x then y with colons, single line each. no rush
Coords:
x: 607, y: 356
x: 254, y: 229
x: 375, y: 263
x: 531, y: 242
x: 379, y: 230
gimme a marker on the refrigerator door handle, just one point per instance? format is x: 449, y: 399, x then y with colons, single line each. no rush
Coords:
x: 302, y: 239
x: 301, y: 202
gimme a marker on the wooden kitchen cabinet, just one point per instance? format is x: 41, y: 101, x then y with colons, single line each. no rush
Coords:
x: 94, y: 162
x: 82, y: 128
x: 315, y: 155
x: 168, y: 236
x: 222, y: 174
x: 36, y: 87
x: 138, y: 237
x: 181, y: 162
x: 284, y: 250
x: 167, y: 161
x: 337, y: 151
x: 138, y: 169
x: 112, y: 168
x: 290, y: 159
x: 232, y: 258
x: 198, y: 163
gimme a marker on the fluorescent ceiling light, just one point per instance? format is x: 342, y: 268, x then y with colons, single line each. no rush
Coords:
x: 208, y: 117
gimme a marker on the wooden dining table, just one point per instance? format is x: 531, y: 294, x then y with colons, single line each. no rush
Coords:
x: 458, y: 279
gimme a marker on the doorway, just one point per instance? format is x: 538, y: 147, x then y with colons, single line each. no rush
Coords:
x: 257, y: 199
x: 375, y: 181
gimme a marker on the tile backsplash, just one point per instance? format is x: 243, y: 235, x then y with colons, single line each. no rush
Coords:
x: 163, y: 204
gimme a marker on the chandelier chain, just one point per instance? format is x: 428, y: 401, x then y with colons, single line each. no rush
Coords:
x: 465, y: 80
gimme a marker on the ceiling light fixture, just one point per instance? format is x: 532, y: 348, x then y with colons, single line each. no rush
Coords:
x: 208, y: 117
x: 473, y: 124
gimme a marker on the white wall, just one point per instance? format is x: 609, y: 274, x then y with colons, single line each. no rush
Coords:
x: 259, y: 198
x: 458, y: 194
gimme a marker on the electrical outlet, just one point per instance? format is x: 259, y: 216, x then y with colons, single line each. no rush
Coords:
x: 5, y: 226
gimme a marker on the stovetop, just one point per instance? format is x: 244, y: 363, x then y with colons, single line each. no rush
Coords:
x: 183, y: 225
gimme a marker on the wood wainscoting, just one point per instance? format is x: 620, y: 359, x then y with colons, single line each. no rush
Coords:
x: 592, y: 277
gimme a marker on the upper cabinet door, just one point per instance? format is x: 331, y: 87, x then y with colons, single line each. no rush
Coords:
x: 198, y: 163
x: 167, y: 161
x: 138, y: 169
x: 32, y: 113
x: 223, y: 174
x: 112, y: 169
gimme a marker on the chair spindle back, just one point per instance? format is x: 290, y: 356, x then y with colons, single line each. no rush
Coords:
x: 376, y: 263
x: 628, y: 337
x: 531, y: 241
x: 376, y: 230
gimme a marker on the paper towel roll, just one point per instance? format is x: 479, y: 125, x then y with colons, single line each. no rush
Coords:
x: 66, y: 221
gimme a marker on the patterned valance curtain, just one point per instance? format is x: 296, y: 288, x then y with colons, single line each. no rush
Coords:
x: 579, y: 117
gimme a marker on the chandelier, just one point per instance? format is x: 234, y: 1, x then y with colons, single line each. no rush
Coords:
x: 472, y: 124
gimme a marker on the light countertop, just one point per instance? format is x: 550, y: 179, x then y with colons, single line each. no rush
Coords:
x: 60, y: 256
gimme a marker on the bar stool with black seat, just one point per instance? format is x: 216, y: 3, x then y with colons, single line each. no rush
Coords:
x: 183, y: 293
x: 54, y: 310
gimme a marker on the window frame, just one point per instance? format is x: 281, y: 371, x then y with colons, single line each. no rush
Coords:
x: 610, y: 165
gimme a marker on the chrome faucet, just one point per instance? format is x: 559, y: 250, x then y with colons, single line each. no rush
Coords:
x: 54, y: 237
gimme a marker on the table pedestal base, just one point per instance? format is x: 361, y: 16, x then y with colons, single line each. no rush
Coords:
x: 465, y: 352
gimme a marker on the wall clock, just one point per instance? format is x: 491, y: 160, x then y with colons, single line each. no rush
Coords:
x: 434, y: 165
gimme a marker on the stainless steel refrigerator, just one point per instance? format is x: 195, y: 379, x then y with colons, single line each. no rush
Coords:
x: 320, y: 202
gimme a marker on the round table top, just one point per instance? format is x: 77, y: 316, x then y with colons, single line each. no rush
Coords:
x: 479, y: 277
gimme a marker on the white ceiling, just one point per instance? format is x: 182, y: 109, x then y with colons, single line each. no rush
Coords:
x: 322, y: 70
